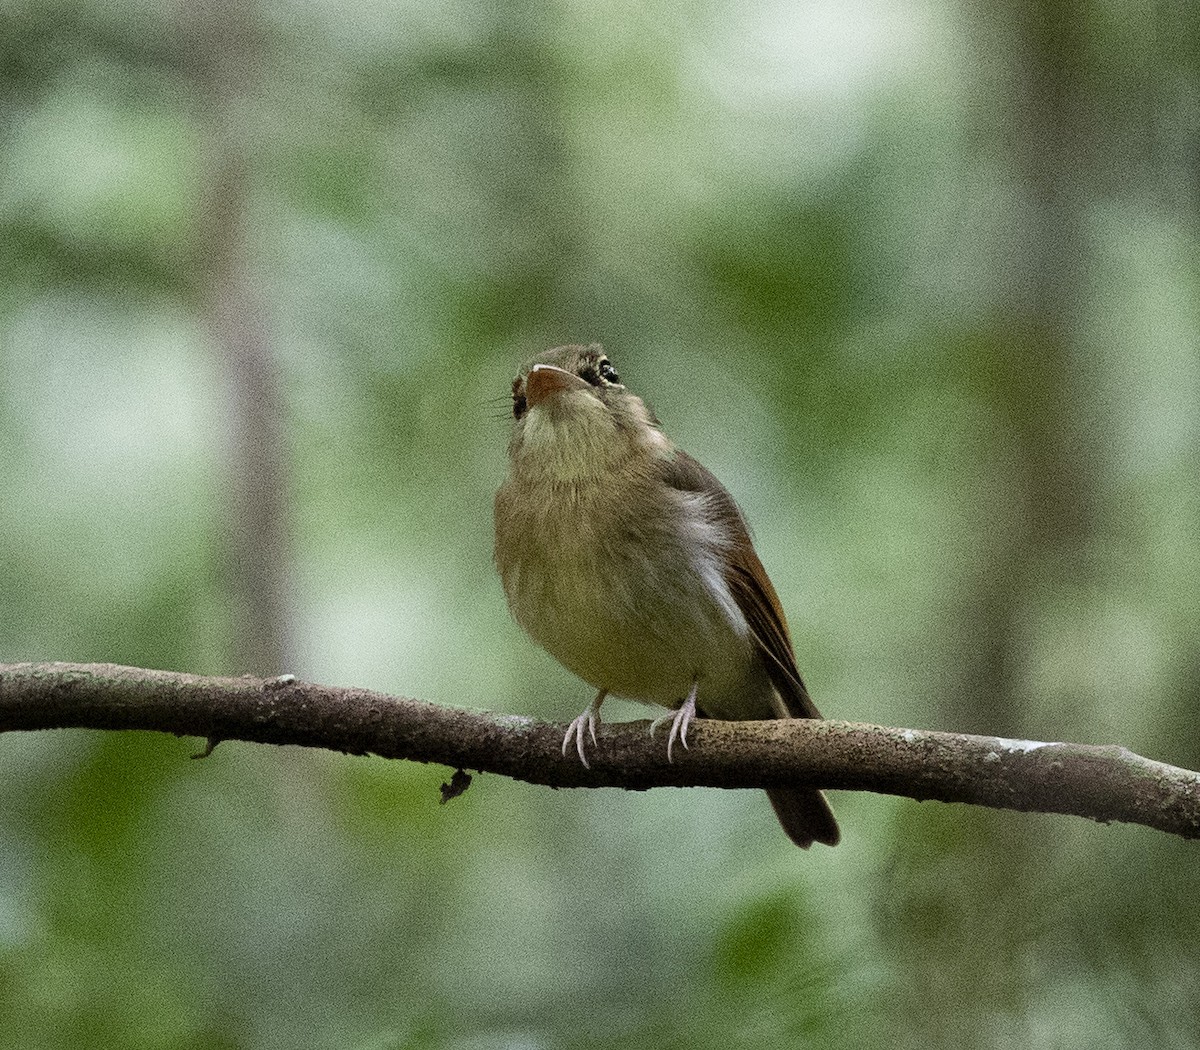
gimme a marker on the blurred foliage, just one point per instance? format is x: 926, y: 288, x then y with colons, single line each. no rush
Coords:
x: 918, y: 281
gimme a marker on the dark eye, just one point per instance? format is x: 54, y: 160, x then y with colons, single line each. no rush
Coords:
x: 518, y: 398
x: 607, y: 372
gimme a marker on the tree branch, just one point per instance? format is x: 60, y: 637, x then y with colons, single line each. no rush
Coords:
x: 1103, y: 783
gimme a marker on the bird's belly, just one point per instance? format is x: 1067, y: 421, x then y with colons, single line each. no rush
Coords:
x: 651, y: 658
x: 643, y: 624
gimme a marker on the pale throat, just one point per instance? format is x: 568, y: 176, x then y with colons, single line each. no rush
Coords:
x: 578, y: 440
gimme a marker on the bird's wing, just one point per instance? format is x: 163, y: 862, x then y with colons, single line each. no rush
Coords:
x: 749, y: 584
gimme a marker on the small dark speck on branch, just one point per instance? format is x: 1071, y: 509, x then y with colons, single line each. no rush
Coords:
x: 458, y: 784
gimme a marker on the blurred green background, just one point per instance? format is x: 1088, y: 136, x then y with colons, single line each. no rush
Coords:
x: 918, y: 280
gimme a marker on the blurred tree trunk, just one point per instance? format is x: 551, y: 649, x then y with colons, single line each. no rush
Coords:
x: 224, y: 54
x: 961, y: 954
x: 1039, y: 372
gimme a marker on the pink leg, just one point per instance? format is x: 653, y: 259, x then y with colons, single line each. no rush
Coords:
x: 584, y: 723
x: 681, y: 721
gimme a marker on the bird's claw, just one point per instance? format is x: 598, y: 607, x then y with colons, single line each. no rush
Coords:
x: 680, y: 721
x: 679, y: 727
x: 581, y: 724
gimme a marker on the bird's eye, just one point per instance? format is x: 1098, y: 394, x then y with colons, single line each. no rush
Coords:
x: 607, y: 372
x: 518, y: 398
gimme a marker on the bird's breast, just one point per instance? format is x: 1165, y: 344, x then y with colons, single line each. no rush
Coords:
x: 625, y: 589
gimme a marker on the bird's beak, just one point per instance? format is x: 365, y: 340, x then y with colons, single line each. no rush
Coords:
x: 544, y: 380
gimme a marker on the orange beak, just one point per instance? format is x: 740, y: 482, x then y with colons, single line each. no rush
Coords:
x: 544, y: 380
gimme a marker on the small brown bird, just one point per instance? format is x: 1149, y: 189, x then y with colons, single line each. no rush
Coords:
x: 630, y: 563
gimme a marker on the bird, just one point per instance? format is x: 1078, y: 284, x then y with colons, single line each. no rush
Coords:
x: 632, y: 565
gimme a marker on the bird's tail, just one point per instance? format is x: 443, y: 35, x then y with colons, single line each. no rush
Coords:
x: 805, y: 816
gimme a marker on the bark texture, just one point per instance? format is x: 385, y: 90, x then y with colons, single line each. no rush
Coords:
x: 1103, y: 783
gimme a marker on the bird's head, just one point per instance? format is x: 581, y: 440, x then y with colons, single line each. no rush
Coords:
x: 575, y: 419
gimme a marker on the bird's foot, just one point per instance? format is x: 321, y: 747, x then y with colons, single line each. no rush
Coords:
x: 584, y: 724
x: 680, y: 721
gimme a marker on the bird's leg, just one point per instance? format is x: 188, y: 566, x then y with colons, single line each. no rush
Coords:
x: 683, y: 719
x: 584, y: 723
x: 679, y: 721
